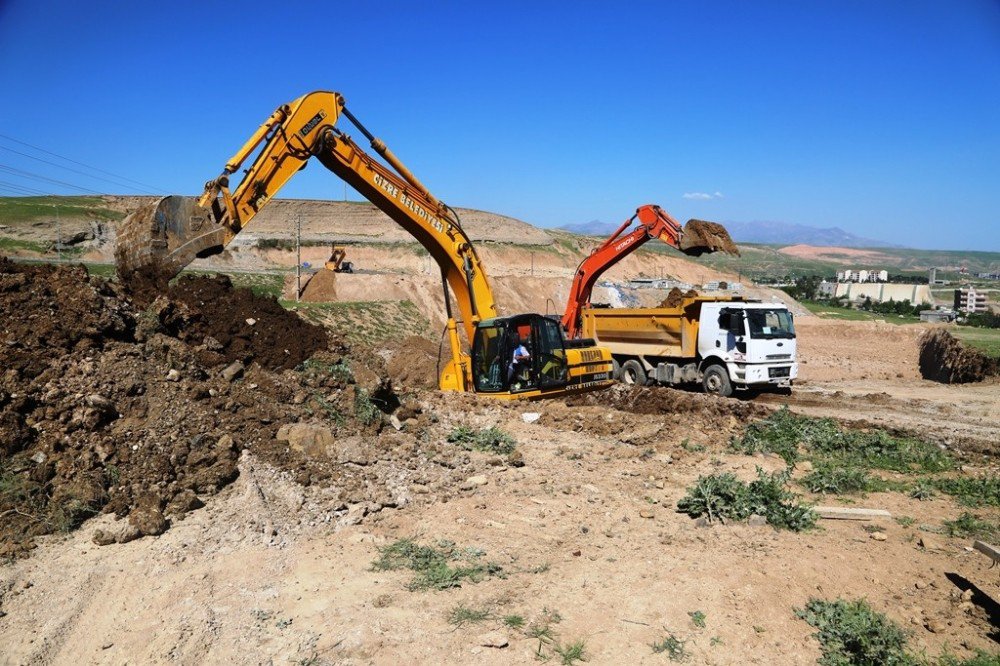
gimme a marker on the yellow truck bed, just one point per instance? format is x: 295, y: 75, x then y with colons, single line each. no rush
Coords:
x: 660, y: 331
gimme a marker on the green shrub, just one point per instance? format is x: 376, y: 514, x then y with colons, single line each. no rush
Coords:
x: 436, y: 568
x: 851, y: 632
x: 488, y: 440
x: 723, y: 496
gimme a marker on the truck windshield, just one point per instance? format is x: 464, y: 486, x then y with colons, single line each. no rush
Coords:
x: 770, y: 324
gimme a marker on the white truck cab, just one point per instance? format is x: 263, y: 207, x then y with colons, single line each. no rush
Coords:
x: 753, y: 342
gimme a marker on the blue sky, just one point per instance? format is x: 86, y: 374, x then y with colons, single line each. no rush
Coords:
x: 882, y: 118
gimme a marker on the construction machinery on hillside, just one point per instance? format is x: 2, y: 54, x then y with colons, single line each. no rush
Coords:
x: 338, y: 260
x: 723, y: 342
x: 168, y: 234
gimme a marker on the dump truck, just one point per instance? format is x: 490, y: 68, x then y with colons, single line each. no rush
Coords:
x: 724, y: 343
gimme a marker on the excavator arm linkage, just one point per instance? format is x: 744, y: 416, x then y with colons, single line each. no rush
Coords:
x: 697, y: 237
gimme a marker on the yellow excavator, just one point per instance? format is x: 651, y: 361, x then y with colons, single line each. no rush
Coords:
x: 518, y: 356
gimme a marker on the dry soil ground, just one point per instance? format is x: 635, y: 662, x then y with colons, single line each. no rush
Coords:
x: 271, y: 571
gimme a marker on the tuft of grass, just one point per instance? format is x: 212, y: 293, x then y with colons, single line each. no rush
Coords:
x: 570, y: 653
x: 365, y: 409
x: 672, y: 646
x: 922, y: 490
x: 698, y: 618
x: 969, y: 525
x: 905, y: 521
x: 851, y: 632
x: 461, y: 615
x: 724, y: 497
x: 513, y: 621
x: 436, y: 568
x: 487, y: 440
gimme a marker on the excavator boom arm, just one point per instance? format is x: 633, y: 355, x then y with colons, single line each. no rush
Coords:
x: 654, y: 223
x: 175, y: 230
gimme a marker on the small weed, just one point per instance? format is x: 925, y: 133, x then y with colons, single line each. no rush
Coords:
x: 922, y: 490
x: 698, y: 618
x: 433, y: 565
x: 365, y: 409
x: 461, y: 615
x: 716, y: 640
x: 906, y: 521
x: 971, y: 526
x: 570, y: 653
x: 672, y: 646
x: 513, y: 621
x: 488, y: 440
x: 692, y: 448
x: 723, y: 496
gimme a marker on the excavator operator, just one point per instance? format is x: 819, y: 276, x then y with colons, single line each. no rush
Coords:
x: 520, y: 363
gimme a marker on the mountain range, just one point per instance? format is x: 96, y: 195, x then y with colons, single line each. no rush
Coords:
x: 772, y: 233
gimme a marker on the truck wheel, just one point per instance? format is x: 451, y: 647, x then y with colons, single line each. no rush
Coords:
x: 716, y: 381
x: 616, y: 370
x: 633, y: 373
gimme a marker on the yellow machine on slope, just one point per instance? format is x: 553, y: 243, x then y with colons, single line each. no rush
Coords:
x: 173, y: 231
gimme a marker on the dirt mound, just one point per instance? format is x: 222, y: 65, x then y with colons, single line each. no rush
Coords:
x: 413, y: 362
x: 107, y: 408
x: 943, y: 358
x: 675, y: 298
x: 661, y: 400
x: 701, y: 236
x: 321, y: 287
x: 47, y: 311
x: 233, y: 324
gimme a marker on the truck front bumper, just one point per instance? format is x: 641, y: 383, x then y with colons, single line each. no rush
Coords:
x: 764, y: 373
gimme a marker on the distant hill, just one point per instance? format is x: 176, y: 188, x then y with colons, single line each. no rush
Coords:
x: 788, y: 233
x: 770, y: 233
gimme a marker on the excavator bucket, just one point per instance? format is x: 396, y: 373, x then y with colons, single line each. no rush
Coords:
x: 167, y: 234
x: 699, y: 237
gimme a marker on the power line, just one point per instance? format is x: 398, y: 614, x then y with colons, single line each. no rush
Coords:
x: 86, y: 166
x: 22, y: 189
x: 82, y: 173
x: 34, y: 176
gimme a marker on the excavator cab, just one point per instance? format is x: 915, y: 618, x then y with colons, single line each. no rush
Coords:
x: 493, y: 360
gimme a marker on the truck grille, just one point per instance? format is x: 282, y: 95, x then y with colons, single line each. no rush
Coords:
x: 778, y: 357
x: 778, y: 372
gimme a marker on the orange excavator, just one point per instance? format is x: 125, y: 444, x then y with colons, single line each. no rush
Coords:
x: 697, y: 237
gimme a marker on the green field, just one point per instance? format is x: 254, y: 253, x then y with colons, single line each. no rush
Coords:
x: 986, y: 339
x: 831, y: 312
x: 18, y: 210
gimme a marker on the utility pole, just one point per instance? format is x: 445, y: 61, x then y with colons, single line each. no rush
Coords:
x: 298, y: 258
x: 58, y: 234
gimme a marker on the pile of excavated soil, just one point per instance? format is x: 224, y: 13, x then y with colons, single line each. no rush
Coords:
x: 701, y: 236
x: 675, y: 298
x: 107, y: 408
x: 233, y: 324
x: 943, y: 358
x: 321, y: 287
x: 662, y: 400
x: 413, y: 362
